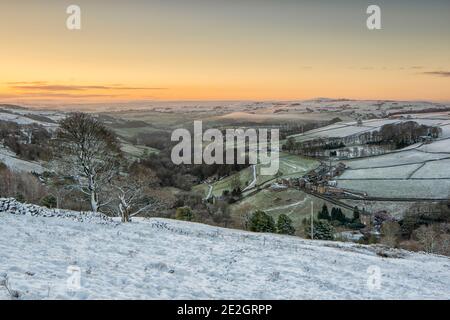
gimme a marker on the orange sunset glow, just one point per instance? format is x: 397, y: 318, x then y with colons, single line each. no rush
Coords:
x: 214, y: 50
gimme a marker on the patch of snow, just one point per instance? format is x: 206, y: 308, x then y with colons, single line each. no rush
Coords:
x: 12, y: 206
x: 440, y: 146
x: 407, y: 189
x: 434, y: 170
x: 394, y: 159
x: 398, y: 172
x: 15, y: 164
x: 168, y: 259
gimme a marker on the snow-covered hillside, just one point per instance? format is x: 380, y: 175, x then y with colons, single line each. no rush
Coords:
x: 16, y: 164
x: 166, y: 259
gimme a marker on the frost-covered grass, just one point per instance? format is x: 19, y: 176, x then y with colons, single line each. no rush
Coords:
x: 436, y: 169
x: 337, y: 131
x: 446, y: 131
x: 136, y: 151
x: 19, y: 119
x: 411, y: 189
x: 395, y: 159
x: 165, y: 259
x: 401, y: 172
x: 23, y: 119
x: 396, y: 209
x: 437, y: 146
x: 347, y: 129
x: 244, y: 176
x: 14, y: 163
x: 342, y: 130
x: 291, y: 164
x: 294, y: 203
x: 427, y: 161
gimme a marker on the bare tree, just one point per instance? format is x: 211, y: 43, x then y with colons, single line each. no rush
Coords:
x: 243, y: 214
x: 132, y: 193
x: 60, y: 188
x: 222, y: 213
x: 24, y: 186
x: 428, y: 237
x: 89, y: 153
x: 390, y: 231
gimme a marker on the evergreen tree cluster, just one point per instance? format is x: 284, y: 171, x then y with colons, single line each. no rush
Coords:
x: 262, y: 222
x: 284, y: 225
x: 322, y: 229
x: 337, y: 217
x: 324, y: 225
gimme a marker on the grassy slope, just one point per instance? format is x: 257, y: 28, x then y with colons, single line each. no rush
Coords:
x: 295, y: 203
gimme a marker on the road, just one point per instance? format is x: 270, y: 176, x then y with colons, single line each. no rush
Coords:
x: 253, y: 183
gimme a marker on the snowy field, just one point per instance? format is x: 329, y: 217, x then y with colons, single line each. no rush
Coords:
x: 442, y: 146
x: 166, y: 259
x: 446, y: 131
x: 395, y: 159
x: 409, y: 189
x: 10, y: 160
x: 344, y: 129
x: 52, y: 115
x: 395, y: 208
x: 434, y: 170
x: 422, y: 171
x: 337, y: 131
x: 347, y: 129
x: 401, y: 172
x: 293, y: 164
x: 26, y: 118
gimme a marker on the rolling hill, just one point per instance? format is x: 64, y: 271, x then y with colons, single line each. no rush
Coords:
x: 168, y: 259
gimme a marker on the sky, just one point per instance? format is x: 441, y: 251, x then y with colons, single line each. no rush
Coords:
x: 224, y: 50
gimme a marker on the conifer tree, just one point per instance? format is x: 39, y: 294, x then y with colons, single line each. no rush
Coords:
x: 261, y: 222
x: 284, y: 225
x: 324, y: 214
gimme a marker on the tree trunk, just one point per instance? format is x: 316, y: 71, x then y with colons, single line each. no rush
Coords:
x: 94, y: 198
x: 126, y: 216
x: 94, y: 204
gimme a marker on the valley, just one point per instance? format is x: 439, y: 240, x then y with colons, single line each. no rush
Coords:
x: 314, y: 134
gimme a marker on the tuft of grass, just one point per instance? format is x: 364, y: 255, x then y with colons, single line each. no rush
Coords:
x: 14, y: 294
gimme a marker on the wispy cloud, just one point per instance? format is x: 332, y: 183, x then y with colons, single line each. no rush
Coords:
x: 55, y: 95
x: 24, y: 82
x: 43, y: 86
x: 437, y: 73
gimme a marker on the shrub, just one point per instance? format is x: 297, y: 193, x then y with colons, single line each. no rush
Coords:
x: 356, y: 225
x: 20, y: 197
x: 284, y: 225
x: 356, y: 214
x: 390, y: 232
x: 49, y: 201
x: 338, y: 215
x: 261, y: 222
x: 184, y: 213
x: 324, y: 214
x: 323, y: 230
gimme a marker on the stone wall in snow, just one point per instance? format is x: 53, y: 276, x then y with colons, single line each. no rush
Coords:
x: 12, y: 206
